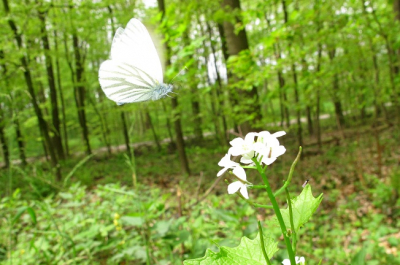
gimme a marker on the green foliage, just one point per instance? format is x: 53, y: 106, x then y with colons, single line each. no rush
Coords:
x: 248, y: 252
x: 303, y: 207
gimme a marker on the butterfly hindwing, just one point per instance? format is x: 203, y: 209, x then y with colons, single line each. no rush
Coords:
x: 122, y: 82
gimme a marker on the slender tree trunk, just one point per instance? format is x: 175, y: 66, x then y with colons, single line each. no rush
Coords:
x: 219, y: 88
x: 173, y: 145
x: 318, y: 69
x: 224, y: 48
x: 284, y: 110
x: 318, y: 104
x: 126, y: 134
x: 180, y: 143
x: 336, y: 101
x: 195, y: 102
x: 28, y: 79
x: 123, y: 118
x: 80, y: 93
x: 57, y: 141
x: 153, y: 131
x: 3, y: 141
x: 64, y: 120
x: 237, y: 42
x: 20, y: 141
x: 297, y: 100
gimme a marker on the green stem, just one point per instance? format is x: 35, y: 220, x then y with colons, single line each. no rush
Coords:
x: 294, y: 236
x: 277, y: 212
x: 263, y: 244
x: 256, y: 187
x: 290, y: 173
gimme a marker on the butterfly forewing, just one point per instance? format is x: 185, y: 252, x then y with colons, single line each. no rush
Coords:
x: 134, y: 69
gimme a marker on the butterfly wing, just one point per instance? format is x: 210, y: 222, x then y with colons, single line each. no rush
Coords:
x: 123, y: 83
x: 134, y: 69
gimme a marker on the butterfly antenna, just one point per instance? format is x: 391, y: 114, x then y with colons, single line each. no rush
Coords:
x: 184, y: 68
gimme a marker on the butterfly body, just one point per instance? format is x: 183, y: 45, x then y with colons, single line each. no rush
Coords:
x: 134, y: 72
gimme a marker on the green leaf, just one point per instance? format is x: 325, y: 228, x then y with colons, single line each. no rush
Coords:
x: 134, y: 221
x: 29, y: 210
x: 303, y: 207
x: 248, y: 252
x: 359, y: 258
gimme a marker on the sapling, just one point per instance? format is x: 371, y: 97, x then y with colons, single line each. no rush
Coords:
x: 256, y: 152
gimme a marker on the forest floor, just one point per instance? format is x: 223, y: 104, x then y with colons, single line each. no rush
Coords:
x: 357, y: 170
x: 122, y: 147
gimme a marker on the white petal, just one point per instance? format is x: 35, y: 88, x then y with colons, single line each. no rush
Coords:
x: 271, y: 141
x: 286, y: 262
x: 237, y: 142
x: 279, y: 134
x: 225, y: 160
x: 278, y: 151
x: 300, y: 260
x: 243, y: 191
x: 245, y: 160
x: 234, y: 187
x: 239, y: 172
x: 249, y: 139
x: 268, y: 161
x: 222, y: 171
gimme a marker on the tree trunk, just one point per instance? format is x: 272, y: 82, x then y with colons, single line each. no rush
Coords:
x: 57, y: 141
x: 3, y: 141
x: 218, y: 89
x: 153, y: 131
x: 123, y: 118
x: 296, y: 98
x: 284, y: 110
x: 80, y: 93
x: 28, y: 79
x: 173, y: 145
x: 64, y: 123
x: 180, y: 143
x: 20, y: 141
x: 237, y: 42
x: 126, y: 134
x: 336, y: 101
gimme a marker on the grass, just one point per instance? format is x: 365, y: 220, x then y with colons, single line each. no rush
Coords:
x: 359, y: 176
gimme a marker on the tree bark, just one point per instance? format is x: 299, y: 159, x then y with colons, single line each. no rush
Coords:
x: 57, y: 141
x: 336, y: 101
x: 153, y: 131
x: 180, y: 143
x: 218, y: 89
x: 237, y: 43
x: 28, y: 79
x: 123, y: 118
x: 3, y: 141
x: 64, y: 120
x: 80, y: 93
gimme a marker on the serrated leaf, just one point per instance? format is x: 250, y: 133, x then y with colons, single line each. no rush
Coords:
x: 303, y: 207
x: 134, y: 221
x: 247, y: 253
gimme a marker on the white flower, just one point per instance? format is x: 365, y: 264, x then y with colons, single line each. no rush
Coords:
x: 238, y: 185
x: 268, y: 146
x: 227, y: 164
x: 299, y: 260
x: 242, y: 146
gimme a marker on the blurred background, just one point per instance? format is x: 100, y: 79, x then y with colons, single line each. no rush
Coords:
x: 84, y: 181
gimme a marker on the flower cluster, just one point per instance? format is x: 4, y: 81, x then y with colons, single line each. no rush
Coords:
x: 265, y: 149
x: 299, y: 260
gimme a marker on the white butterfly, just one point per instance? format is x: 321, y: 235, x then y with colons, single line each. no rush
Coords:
x: 134, y: 72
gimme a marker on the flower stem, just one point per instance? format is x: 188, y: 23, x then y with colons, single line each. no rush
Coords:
x: 290, y: 173
x: 294, y: 235
x: 277, y: 212
x: 263, y: 244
